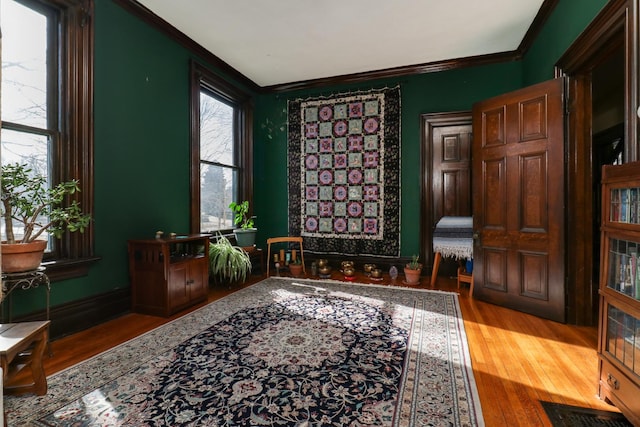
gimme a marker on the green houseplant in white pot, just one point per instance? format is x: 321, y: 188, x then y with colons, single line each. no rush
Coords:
x: 246, y: 233
x: 31, y: 210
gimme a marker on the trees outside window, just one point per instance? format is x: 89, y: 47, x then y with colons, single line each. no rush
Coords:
x: 47, y: 69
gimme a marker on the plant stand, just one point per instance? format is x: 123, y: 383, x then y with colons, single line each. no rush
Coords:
x: 256, y: 254
x: 24, y: 280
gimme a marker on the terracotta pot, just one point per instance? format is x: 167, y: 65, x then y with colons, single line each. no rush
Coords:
x: 295, y: 269
x: 17, y: 257
x: 412, y: 277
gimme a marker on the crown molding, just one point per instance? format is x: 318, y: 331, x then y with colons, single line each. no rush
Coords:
x: 145, y: 14
x: 431, y: 67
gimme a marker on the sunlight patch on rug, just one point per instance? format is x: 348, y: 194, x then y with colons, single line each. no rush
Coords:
x: 279, y: 353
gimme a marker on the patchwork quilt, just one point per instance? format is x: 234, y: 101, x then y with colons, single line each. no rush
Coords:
x: 344, y: 172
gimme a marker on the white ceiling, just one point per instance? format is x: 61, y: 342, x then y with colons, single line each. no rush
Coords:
x: 284, y: 41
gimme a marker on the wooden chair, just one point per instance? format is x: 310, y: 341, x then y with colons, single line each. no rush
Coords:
x: 288, y: 239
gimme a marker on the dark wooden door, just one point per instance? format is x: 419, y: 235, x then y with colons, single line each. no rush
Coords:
x: 518, y: 200
x: 451, y: 171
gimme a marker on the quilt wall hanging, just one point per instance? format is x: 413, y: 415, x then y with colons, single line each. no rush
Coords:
x: 344, y: 172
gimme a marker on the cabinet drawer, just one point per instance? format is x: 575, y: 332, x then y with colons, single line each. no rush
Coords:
x: 620, y: 390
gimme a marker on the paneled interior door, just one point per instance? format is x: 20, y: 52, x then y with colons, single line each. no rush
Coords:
x: 518, y: 200
x: 451, y: 171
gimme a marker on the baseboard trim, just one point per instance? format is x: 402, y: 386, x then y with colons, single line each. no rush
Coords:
x: 78, y: 315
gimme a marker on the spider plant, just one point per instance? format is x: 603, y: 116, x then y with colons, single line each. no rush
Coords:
x: 227, y: 262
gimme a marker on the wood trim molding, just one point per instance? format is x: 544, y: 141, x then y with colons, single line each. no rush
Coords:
x: 149, y: 17
x: 430, y: 67
x: 79, y: 315
x: 155, y: 21
x: 596, y: 38
x: 536, y: 26
x: 614, y: 28
x: 201, y: 76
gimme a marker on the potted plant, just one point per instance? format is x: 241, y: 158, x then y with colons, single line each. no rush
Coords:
x: 295, y: 267
x: 30, y: 209
x: 228, y: 263
x: 246, y: 234
x: 412, y: 271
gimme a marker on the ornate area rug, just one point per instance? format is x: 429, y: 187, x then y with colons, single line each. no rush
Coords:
x: 344, y: 172
x: 282, y: 352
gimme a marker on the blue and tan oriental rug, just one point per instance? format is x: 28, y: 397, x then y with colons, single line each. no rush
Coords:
x: 282, y: 352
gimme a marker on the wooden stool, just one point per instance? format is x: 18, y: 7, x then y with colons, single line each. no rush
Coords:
x: 21, y: 345
x: 464, y: 277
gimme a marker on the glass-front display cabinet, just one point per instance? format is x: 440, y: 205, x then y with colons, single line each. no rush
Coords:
x: 619, y: 319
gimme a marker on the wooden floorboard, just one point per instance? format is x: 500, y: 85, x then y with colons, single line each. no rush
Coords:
x: 518, y: 359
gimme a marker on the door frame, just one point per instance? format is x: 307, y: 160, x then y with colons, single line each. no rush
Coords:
x: 428, y: 122
x: 617, y: 24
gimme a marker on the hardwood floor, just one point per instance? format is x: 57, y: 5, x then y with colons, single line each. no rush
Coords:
x: 518, y: 359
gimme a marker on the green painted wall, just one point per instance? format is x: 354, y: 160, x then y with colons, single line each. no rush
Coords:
x: 454, y: 90
x: 141, y: 140
x: 569, y: 19
x: 436, y: 92
x: 141, y: 113
x: 142, y: 136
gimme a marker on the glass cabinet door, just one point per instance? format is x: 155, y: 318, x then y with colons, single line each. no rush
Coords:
x: 625, y: 205
x: 624, y: 267
x: 623, y: 338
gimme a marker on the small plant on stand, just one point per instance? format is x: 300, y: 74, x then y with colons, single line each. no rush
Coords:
x: 33, y: 210
x: 412, y: 271
x: 246, y: 234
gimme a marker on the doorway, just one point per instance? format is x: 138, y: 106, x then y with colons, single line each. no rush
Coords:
x: 600, y: 112
x: 446, y: 168
x: 607, y: 88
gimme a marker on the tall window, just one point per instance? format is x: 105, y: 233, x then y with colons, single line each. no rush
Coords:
x: 218, y: 163
x: 29, y: 86
x: 47, y: 96
x: 221, y: 169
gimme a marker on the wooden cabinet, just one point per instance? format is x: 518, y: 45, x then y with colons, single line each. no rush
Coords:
x: 619, y: 322
x: 168, y: 275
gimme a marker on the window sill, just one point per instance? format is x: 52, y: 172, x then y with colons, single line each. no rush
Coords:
x: 63, y: 269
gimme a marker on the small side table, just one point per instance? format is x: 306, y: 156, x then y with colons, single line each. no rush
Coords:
x: 23, y: 345
x: 256, y: 254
